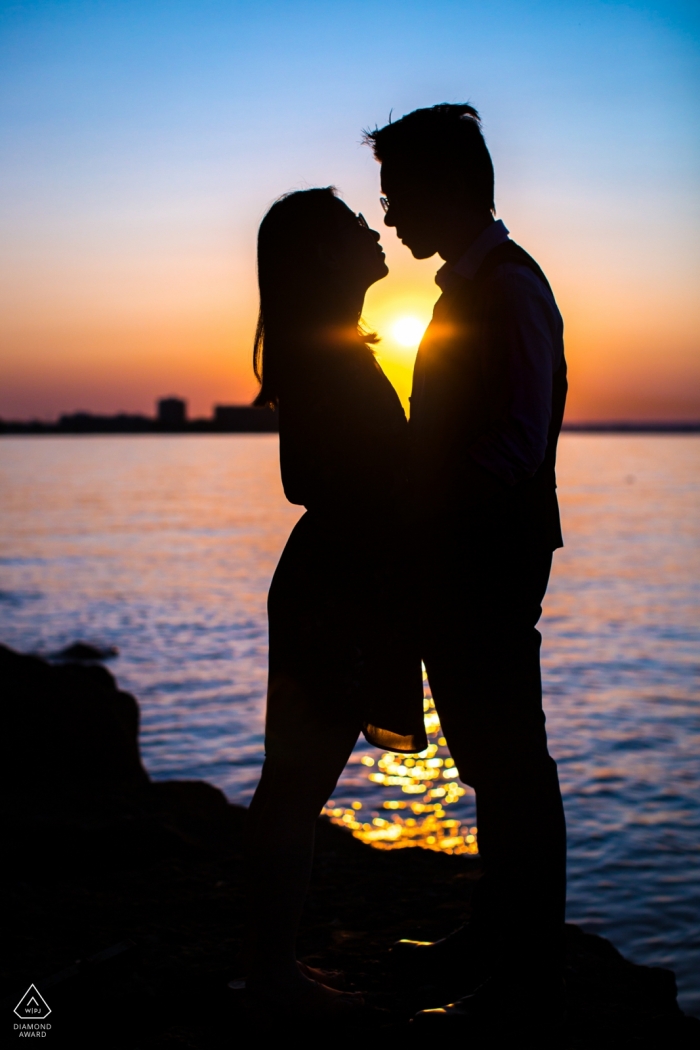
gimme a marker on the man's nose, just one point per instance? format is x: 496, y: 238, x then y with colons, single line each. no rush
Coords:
x: 389, y: 218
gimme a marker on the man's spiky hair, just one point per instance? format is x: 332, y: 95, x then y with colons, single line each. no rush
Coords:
x: 447, y: 137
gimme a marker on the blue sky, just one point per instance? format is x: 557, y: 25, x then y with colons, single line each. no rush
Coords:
x: 142, y: 143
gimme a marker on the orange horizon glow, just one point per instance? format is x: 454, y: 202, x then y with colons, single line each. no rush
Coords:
x: 143, y: 146
x: 632, y: 350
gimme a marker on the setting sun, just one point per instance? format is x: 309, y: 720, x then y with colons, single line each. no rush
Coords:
x: 408, y: 331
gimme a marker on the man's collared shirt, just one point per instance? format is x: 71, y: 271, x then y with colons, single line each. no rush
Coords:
x: 515, y: 448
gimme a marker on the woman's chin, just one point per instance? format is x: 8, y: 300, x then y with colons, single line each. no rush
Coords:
x: 382, y: 271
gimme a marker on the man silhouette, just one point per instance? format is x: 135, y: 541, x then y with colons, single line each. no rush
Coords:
x: 487, y: 404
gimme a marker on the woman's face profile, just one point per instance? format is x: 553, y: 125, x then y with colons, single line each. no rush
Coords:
x: 355, y: 252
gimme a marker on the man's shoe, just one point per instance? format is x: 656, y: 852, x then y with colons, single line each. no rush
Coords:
x: 462, y: 956
x: 501, y: 1007
x: 443, y: 952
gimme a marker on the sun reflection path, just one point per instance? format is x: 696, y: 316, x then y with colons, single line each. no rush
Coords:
x: 429, y: 779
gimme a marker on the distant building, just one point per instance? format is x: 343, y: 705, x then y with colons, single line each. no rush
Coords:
x: 87, y: 423
x: 172, y: 411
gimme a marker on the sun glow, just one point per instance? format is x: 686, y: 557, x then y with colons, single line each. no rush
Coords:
x: 408, y: 331
x: 430, y: 781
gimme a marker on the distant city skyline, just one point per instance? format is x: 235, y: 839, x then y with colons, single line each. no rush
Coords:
x: 170, y: 416
x: 172, y: 412
x: 142, y: 143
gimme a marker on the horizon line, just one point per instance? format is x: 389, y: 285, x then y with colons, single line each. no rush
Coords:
x: 80, y: 421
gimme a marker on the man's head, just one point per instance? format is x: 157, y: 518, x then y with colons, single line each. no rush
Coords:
x: 437, y: 178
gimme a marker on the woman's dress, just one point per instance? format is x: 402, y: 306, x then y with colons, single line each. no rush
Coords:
x: 342, y: 623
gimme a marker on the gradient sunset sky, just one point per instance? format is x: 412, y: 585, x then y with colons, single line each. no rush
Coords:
x: 143, y: 141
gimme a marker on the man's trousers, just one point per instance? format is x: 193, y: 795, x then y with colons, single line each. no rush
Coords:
x: 481, y: 649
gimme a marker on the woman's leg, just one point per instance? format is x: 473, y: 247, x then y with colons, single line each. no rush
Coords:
x: 302, y: 765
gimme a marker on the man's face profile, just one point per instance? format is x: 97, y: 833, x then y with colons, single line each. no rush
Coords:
x: 411, y: 210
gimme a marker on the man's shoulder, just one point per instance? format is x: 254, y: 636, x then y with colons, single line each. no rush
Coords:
x: 510, y: 281
x: 508, y: 253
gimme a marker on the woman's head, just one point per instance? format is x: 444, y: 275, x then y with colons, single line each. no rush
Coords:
x: 316, y: 260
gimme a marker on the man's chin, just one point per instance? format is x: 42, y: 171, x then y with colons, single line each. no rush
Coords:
x: 420, y: 251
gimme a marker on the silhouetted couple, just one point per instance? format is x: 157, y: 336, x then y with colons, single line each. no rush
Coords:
x: 429, y: 540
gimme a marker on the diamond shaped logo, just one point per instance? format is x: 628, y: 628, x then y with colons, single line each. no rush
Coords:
x: 32, y: 1006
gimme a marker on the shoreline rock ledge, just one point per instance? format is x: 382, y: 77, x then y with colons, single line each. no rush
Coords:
x: 125, y: 908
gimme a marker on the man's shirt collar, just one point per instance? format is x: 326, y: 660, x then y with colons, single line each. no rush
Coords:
x: 494, y: 234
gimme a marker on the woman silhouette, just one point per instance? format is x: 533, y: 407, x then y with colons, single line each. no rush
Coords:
x: 342, y: 659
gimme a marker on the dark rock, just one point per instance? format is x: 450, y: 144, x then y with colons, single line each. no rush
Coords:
x: 70, y: 741
x: 98, y: 855
x: 73, y: 787
x: 80, y: 651
x: 626, y: 1004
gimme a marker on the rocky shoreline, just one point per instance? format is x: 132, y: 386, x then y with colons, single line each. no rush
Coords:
x: 125, y: 900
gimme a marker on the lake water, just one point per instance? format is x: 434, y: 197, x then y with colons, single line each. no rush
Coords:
x: 165, y: 546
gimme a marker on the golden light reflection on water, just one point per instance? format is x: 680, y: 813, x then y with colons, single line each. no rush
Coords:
x: 429, y: 779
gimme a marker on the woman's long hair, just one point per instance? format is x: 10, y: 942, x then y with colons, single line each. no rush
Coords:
x: 300, y: 298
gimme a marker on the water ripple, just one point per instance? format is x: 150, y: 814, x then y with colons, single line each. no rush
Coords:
x: 164, y: 547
